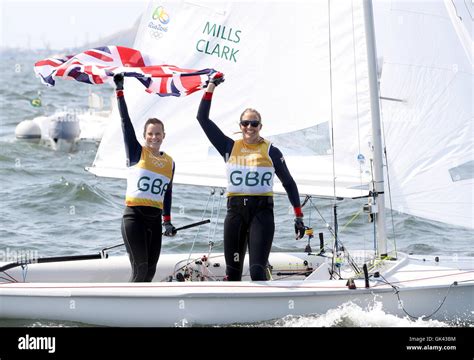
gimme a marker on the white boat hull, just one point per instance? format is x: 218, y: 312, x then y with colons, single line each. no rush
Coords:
x: 422, y: 285
x: 185, y: 303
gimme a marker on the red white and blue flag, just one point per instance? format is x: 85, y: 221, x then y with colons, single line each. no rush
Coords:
x: 99, y: 65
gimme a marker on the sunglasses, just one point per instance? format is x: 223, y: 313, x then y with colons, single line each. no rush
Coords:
x: 253, y: 123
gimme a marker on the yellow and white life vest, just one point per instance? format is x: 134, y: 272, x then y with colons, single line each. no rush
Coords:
x: 149, y: 179
x: 250, y: 170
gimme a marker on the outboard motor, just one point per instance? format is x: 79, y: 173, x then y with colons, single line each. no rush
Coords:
x: 64, y: 126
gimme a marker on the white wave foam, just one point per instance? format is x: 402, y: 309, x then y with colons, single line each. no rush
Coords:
x: 352, y: 315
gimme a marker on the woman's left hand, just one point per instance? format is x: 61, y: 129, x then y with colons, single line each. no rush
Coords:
x: 170, y: 230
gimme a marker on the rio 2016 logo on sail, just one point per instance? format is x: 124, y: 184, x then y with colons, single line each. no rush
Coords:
x: 158, y: 25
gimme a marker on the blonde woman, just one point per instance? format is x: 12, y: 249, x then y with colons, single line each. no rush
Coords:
x: 251, y: 165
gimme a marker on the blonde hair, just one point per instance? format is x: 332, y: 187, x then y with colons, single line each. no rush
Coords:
x: 250, y: 110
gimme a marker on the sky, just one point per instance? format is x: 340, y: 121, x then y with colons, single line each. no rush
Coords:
x: 63, y: 24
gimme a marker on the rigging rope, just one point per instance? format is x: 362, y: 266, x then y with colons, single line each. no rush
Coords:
x: 357, y: 95
x: 212, y: 230
x: 202, y: 218
x: 222, y: 192
x: 351, y: 261
x: 389, y: 188
x: 334, y: 232
x: 400, y: 302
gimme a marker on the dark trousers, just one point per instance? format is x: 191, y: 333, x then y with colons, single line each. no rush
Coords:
x: 141, y: 232
x: 249, y: 222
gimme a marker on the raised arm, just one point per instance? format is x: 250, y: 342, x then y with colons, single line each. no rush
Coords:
x: 133, y: 148
x: 222, y: 143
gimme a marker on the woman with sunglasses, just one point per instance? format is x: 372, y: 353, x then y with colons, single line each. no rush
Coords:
x: 251, y: 165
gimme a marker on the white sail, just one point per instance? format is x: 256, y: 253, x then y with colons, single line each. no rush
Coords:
x: 304, y: 68
x: 302, y: 65
x: 429, y: 135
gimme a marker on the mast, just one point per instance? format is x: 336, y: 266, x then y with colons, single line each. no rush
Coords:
x: 378, y: 186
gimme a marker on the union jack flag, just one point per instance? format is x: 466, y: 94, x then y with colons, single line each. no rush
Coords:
x: 99, y: 65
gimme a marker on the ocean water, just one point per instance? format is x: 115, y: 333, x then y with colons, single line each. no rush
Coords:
x: 51, y: 206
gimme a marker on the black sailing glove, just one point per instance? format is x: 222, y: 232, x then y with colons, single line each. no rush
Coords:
x: 118, y: 80
x: 299, y: 228
x: 170, y: 230
x: 216, y: 78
